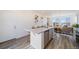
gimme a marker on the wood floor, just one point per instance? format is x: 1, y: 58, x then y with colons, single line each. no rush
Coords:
x: 61, y: 44
x: 24, y: 43
x: 20, y: 43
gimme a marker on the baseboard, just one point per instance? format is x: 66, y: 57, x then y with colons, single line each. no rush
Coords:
x: 7, y: 40
x: 23, y: 36
x: 15, y: 38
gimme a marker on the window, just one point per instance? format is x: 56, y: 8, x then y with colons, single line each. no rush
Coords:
x: 64, y: 20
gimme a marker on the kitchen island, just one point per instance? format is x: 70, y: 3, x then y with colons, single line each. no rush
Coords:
x: 40, y: 37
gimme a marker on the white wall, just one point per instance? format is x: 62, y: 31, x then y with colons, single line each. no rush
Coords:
x: 13, y: 23
x: 1, y: 25
x: 78, y: 19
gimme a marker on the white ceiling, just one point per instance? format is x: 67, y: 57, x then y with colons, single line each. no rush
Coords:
x: 49, y: 12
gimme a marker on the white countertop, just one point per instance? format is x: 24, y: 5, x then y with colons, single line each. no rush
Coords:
x: 38, y: 30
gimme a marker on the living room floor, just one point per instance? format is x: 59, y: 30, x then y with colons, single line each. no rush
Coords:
x: 24, y: 43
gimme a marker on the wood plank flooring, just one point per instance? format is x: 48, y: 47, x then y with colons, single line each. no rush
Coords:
x: 20, y: 43
x: 24, y: 43
x: 62, y: 43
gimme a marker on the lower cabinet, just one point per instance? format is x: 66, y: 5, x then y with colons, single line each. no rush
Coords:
x: 50, y: 34
x: 46, y: 37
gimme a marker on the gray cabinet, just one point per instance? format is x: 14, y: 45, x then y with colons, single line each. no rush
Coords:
x: 46, y: 37
x: 50, y: 34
